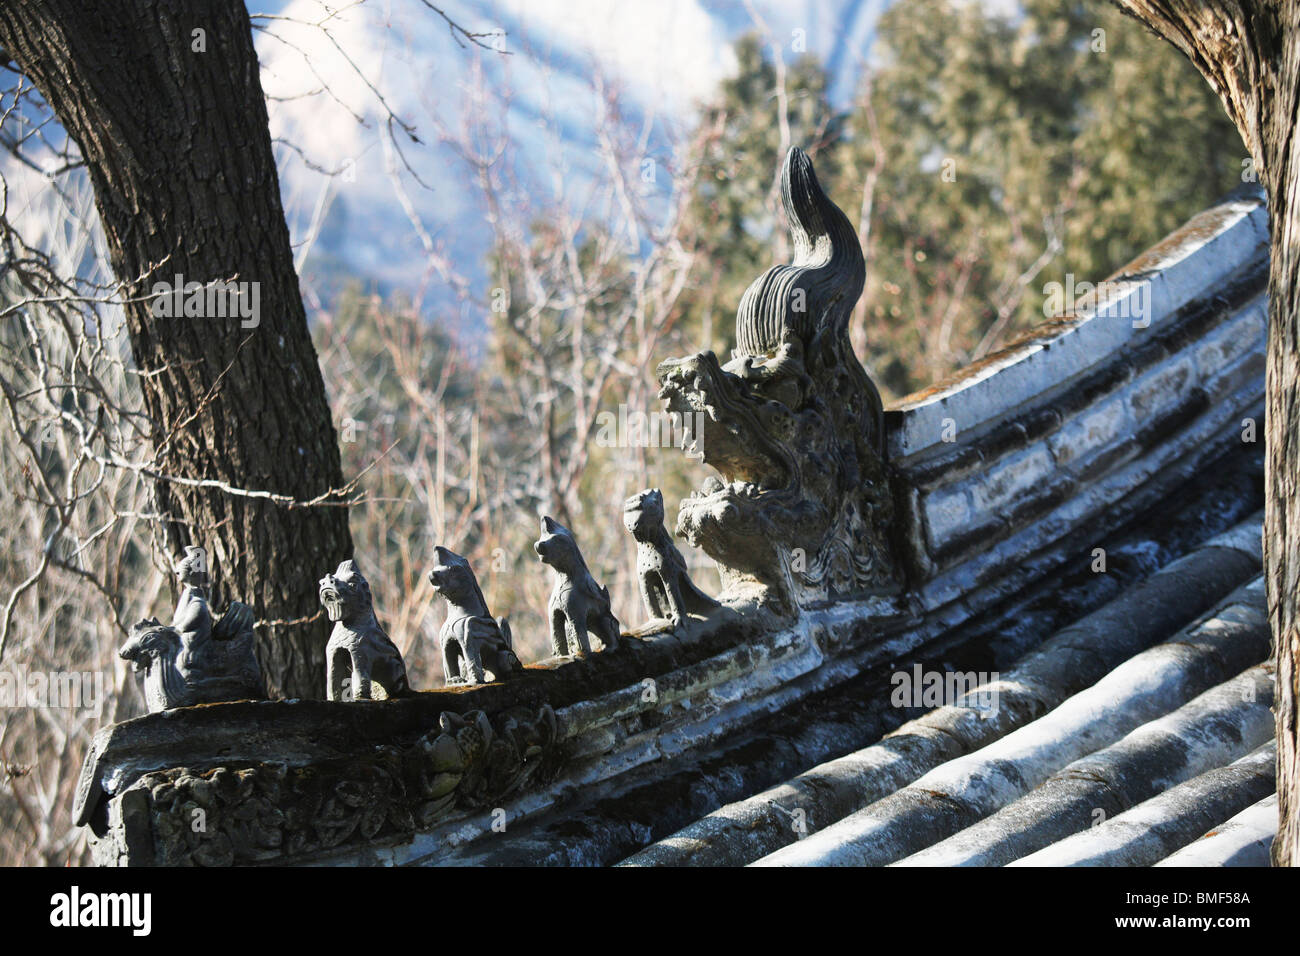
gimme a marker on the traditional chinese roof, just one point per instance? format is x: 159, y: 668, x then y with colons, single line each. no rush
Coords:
x: 1074, y: 526
x: 1126, y: 712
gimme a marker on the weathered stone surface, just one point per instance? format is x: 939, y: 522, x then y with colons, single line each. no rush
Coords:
x: 1158, y: 827
x: 301, y: 732
x: 1012, y: 478
x: 973, y: 565
x: 793, y: 425
x: 1218, y: 727
x: 1092, y: 473
x: 960, y: 792
x: 947, y: 514
x: 241, y: 813
x: 1242, y: 840
x: 1097, y: 429
x: 1233, y: 340
x: 600, y: 810
x: 1158, y: 391
x: 1152, y: 611
x: 1198, y: 259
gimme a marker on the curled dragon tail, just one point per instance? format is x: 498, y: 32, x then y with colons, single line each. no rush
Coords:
x: 817, y: 291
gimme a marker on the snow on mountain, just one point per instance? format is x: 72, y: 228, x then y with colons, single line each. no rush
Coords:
x: 377, y: 219
x: 406, y: 216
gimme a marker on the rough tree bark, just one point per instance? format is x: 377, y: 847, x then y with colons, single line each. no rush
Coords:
x: 1249, y: 51
x: 179, y: 152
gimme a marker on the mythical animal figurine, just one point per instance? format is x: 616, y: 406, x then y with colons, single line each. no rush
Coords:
x: 578, y: 603
x: 198, y: 658
x: 476, y: 648
x: 666, y: 588
x: 802, y: 513
x: 361, y: 663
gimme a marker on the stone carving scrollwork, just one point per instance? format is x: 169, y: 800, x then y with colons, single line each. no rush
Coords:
x: 258, y: 813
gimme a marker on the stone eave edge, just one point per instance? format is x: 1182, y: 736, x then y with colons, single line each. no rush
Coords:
x: 745, y: 670
x: 595, y: 740
x: 1187, y: 265
x: 584, y: 693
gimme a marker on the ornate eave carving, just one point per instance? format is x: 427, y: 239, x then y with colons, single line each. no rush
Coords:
x: 242, y: 813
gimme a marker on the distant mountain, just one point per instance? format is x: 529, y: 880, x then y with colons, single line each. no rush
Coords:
x: 333, y: 78
x: 664, y: 57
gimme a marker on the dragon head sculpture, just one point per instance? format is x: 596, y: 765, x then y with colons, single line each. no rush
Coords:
x: 792, y: 424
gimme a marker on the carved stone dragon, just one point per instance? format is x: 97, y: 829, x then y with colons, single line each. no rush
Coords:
x: 793, y: 424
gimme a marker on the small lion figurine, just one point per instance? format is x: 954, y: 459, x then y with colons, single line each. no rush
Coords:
x: 359, y: 655
x: 666, y: 588
x: 577, y: 603
x: 476, y: 649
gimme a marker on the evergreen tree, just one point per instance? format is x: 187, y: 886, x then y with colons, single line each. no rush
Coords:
x: 1016, y: 151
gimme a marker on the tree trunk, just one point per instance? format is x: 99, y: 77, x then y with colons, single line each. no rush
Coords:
x: 178, y: 149
x: 1249, y: 51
